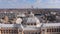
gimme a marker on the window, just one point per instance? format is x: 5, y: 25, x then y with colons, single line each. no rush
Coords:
x: 32, y: 32
x: 24, y: 32
x: 53, y: 30
x: 35, y: 33
x: 59, y: 29
x: 9, y: 31
x: 34, y: 23
x: 48, y: 30
x: 31, y: 23
x: 38, y: 32
x: 28, y: 24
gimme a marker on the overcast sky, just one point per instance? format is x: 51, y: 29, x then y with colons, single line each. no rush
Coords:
x: 29, y: 3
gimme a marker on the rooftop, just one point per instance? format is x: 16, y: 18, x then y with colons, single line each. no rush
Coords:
x: 20, y: 26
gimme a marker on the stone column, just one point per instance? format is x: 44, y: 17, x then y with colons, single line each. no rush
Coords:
x: 22, y: 32
x: 0, y: 30
x: 45, y: 31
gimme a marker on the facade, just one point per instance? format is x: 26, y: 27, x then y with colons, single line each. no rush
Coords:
x: 50, y: 28
x: 9, y: 29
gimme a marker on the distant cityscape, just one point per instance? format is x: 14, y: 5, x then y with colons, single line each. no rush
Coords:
x: 29, y: 21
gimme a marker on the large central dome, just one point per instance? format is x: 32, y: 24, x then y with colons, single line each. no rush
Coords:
x: 32, y: 20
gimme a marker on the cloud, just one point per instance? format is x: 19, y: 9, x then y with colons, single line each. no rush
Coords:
x: 37, y: 3
x: 16, y: 3
x: 47, y: 4
x: 29, y: 3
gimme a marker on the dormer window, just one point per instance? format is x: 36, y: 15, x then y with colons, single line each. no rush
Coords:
x: 31, y: 23
x: 34, y: 23
x: 28, y: 24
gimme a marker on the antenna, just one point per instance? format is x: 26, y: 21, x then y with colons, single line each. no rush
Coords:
x: 32, y: 7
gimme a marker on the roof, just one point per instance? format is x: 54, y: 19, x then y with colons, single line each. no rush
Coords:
x: 51, y: 25
x: 10, y: 15
x: 11, y: 25
x: 20, y: 26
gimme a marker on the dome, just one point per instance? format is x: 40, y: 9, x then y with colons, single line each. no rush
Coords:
x: 31, y: 14
x: 33, y: 20
x: 18, y: 21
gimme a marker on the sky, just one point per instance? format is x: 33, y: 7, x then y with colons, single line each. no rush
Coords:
x: 29, y: 3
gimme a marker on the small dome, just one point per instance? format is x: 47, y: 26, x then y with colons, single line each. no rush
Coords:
x: 18, y: 21
x: 31, y: 14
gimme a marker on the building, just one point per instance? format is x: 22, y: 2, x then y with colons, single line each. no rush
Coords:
x: 50, y: 28
x: 28, y: 25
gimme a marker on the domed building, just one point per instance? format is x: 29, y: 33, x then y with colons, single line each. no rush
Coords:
x: 31, y: 20
x: 31, y: 25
